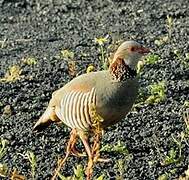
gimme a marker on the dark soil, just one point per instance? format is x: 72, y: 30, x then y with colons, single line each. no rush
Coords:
x: 41, y: 29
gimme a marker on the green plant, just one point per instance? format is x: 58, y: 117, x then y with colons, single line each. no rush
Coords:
x: 3, y: 43
x: 30, y: 61
x: 3, y: 170
x: 169, y: 25
x: 167, y: 175
x: 175, y: 154
x: 120, y: 164
x: 152, y: 59
x: 170, y: 158
x: 184, y: 59
x: 66, y: 54
x: 32, y: 159
x: 90, y: 68
x: 101, y: 42
x: 78, y: 174
x: 157, y: 93
x: 13, y: 74
x: 119, y: 147
x: 163, y: 177
x: 3, y: 148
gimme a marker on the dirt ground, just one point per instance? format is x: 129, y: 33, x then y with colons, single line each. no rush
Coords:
x: 33, y: 35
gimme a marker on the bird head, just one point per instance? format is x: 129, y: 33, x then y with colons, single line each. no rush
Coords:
x: 131, y: 52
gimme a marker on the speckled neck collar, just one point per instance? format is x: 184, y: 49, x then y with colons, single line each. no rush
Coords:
x: 120, y: 71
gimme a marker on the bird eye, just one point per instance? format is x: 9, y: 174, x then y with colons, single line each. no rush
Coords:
x: 132, y: 49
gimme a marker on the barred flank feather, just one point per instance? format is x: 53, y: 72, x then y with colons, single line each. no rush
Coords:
x: 74, y: 109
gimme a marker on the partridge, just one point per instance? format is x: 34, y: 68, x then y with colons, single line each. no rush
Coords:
x: 91, y: 102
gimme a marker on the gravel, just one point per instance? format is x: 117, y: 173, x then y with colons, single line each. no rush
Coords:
x: 41, y: 29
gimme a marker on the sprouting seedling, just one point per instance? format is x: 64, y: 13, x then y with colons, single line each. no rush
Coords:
x: 90, y: 68
x: 101, y: 41
x: 67, y: 54
x: 13, y: 74
x: 3, y: 148
x: 32, y: 159
x: 186, y: 119
x: 78, y: 174
x: 29, y: 61
x: 170, y: 158
x: 3, y: 170
x: 157, y: 93
x: 119, y: 147
x: 150, y: 59
x: 169, y: 25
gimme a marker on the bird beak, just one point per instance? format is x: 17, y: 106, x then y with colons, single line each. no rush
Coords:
x: 143, y: 50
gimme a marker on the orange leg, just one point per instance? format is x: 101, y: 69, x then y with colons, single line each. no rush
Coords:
x: 93, y: 153
x: 70, y: 149
x: 89, y: 169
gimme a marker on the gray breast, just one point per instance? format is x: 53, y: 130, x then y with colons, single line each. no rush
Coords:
x: 115, y: 99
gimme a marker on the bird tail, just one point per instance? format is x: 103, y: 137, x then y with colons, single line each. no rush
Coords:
x: 48, y: 117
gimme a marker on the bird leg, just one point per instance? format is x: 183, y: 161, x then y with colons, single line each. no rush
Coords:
x: 89, y: 169
x: 93, y: 153
x: 69, y: 150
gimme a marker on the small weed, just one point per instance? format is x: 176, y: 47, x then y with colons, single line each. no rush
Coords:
x: 120, y: 164
x: 163, y: 177
x: 184, y: 59
x: 3, y: 170
x: 103, y: 60
x: 72, y: 70
x: 69, y: 57
x: 169, y: 25
x: 186, y: 104
x: 29, y: 61
x: 167, y: 175
x: 140, y: 66
x: 90, y: 68
x: 170, y: 158
x: 66, y: 54
x: 32, y: 159
x: 186, y: 176
x: 150, y: 59
x: 186, y: 120
x: 78, y: 174
x: 175, y: 154
x: 3, y: 148
x: 153, y: 94
x: 161, y: 40
x: 101, y: 177
x: 13, y: 74
x: 119, y: 148
x: 3, y: 43
x: 157, y: 93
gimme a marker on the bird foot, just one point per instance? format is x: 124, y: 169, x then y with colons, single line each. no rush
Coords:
x: 78, y: 154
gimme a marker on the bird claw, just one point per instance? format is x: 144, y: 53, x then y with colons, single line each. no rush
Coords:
x: 78, y: 154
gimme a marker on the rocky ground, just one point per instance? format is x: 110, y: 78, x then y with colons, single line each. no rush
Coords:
x: 32, y: 37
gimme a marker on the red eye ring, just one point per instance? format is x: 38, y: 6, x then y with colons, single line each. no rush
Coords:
x: 132, y: 49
